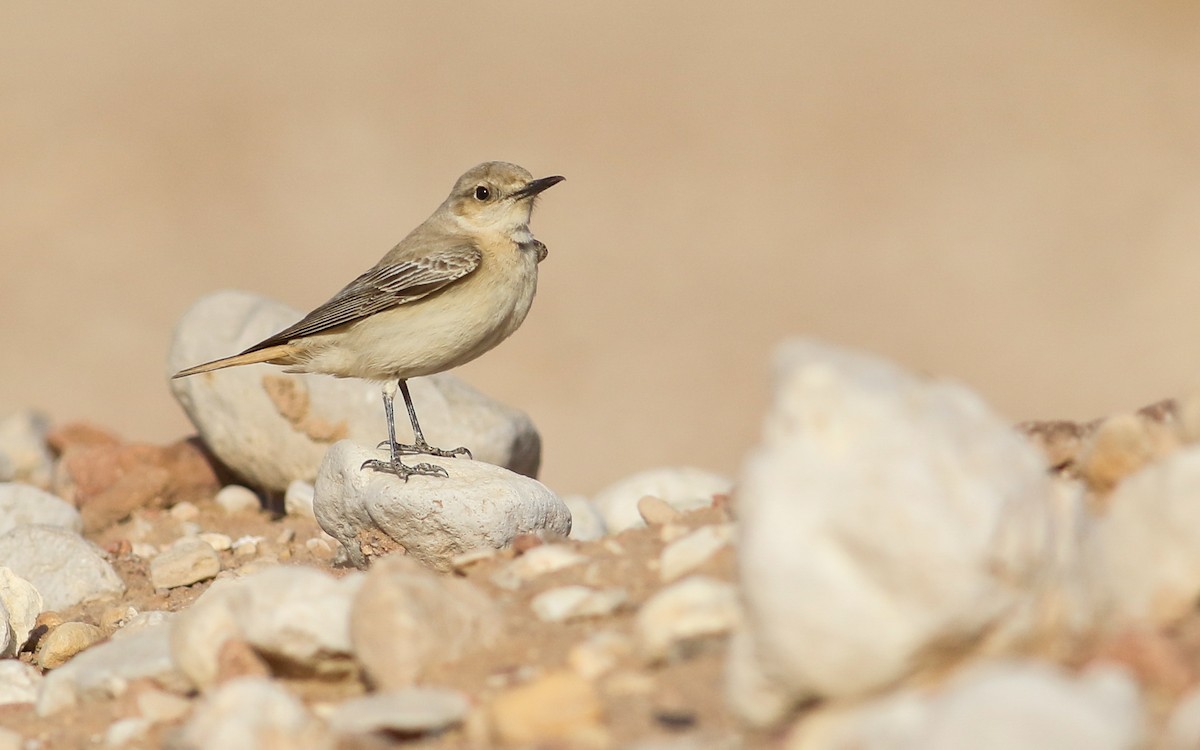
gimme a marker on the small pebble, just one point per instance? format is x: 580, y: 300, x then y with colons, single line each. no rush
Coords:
x: 695, y: 607
x: 184, y: 511
x: 144, y: 550
x: 235, y: 499
x: 285, y: 536
x: 408, y: 712
x: 246, y: 546
x: 537, y: 561
x: 123, y: 731
x: 114, y: 618
x: 559, y: 706
x: 567, y: 603
x: 599, y: 654
x: 160, y: 706
x: 219, y: 542
x: 319, y: 548
x: 464, y: 560
x: 655, y: 510
x: 298, y: 499
x: 58, y: 646
x: 688, y: 553
x: 187, y: 561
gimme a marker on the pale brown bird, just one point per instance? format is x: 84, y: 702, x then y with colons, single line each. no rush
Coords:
x: 456, y: 286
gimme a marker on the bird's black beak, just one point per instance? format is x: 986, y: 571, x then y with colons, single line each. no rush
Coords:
x: 537, y: 186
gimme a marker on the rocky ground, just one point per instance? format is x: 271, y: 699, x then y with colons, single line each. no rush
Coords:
x: 894, y: 568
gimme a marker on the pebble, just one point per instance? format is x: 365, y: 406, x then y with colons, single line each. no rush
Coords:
x: 249, y: 713
x: 696, y: 607
x: 408, y: 712
x: 685, y: 554
x: 320, y: 549
x: 23, y: 505
x: 114, y: 618
x: 407, y: 619
x: 24, y: 455
x: 235, y: 499
x: 107, y: 669
x: 295, y: 617
x: 968, y: 550
x: 536, y: 562
x: 58, y: 646
x: 655, y: 511
x: 185, y: 562
x: 682, y: 488
x: 20, y: 605
x: 298, y: 499
x: 587, y: 523
x: 432, y: 518
x: 272, y: 427
x: 599, y: 654
x: 143, y: 621
x: 247, y: 546
x: 184, y: 511
x: 219, y: 542
x: 61, y: 565
x: 143, y: 550
x: 19, y: 682
x: 285, y: 537
x: 567, y: 603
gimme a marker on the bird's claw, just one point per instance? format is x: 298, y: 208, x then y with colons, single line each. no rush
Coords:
x: 425, y: 449
x: 403, y: 471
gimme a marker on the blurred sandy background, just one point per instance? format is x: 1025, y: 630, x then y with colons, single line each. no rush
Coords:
x: 1009, y: 195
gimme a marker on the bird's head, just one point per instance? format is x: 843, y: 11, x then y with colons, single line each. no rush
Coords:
x: 496, y: 197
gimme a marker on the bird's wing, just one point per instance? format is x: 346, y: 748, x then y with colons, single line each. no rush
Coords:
x: 384, y: 286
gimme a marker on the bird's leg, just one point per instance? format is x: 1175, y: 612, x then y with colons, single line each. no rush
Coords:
x: 395, y: 466
x: 419, y: 444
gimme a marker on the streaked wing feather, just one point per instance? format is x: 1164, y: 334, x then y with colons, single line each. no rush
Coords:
x: 381, y: 288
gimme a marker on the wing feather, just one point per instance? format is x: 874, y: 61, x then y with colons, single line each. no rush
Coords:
x: 384, y: 286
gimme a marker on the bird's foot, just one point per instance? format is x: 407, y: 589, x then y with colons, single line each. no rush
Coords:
x: 394, y: 466
x: 425, y: 449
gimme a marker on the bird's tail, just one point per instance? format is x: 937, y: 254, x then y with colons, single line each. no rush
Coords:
x: 276, y: 354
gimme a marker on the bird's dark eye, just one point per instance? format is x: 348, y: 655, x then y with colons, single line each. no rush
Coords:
x: 482, y: 193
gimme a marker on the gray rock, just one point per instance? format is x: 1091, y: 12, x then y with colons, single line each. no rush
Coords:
x: 296, y: 617
x: 23, y: 504
x: 409, y: 711
x: 21, y: 604
x: 273, y: 427
x: 106, y: 670
x: 433, y: 518
x: 185, y: 562
x: 19, y: 682
x: 62, y: 566
x: 407, y: 619
x: 883, y: 497
x: 24, y: 455
x: 683, y: 488
x: 249, y: 713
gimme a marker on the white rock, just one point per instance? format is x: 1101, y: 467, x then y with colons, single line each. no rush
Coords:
x: 248, y: 713
x: 587, y: 523
x: 143, y: 550
x: 685, y: 554
x: 683, y: 488
x: 24, y: 455
x: 234, y: 498
x: 536, y: 562
x: 185, y: 562
x: 878, y: 496
x: 184, y: 511
x: 22, y: 604
x: 272, y: 427
x: 106, y: 670
x: 1027, y: 705
x: 1146, y: 547
x: 433, y: 518
x: 695, y: 607
x: 61, y: 565
x: 219, y: 542
x: 407, y: 619
x: 19, y: 682
x: 296, y: 617
x: 567, y: 603
x: 143, y: 621
x: 298, y: 499
x: 65, y: 641
x: 598, y: 654
x: 408, y: 711
x: 23, y: 504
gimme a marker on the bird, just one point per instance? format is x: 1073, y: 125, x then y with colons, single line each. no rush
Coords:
x: 452, y: 289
